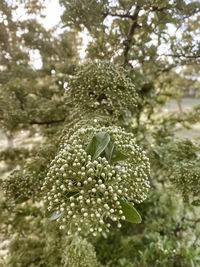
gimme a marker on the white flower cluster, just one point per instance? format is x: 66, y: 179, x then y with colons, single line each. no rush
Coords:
x: 103, y: 87
x: 84, y: 192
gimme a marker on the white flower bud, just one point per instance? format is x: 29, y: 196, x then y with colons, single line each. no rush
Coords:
x: 94, y: 190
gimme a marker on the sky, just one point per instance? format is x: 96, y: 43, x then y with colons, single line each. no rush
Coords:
x: 53, y: 12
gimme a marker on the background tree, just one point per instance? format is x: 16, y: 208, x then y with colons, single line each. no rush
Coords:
x: 35, y: 95
x: 156, y: 43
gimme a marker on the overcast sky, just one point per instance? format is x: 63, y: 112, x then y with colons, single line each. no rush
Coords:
x: 53, y: 12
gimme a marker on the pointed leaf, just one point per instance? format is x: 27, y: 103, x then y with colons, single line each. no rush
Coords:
x: 98, y: 144
x: 109, y: 151
x: 118, y: 156
x: 130, y: 212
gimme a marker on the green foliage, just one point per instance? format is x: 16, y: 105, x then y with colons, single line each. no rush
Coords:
x: 89, y: 174
x: 164, y: 241
x: 137, y: 30
x: 25, y: 183
x: 14, y: 155
x: 78, y: 13
x: 179, y: 159
x: 35, y: 95
x: 39, y: 243
x: 26, y: 252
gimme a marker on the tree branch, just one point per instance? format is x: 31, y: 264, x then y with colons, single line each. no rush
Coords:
x: 118, y: 15
x: 47, y: 122
x: 127, y: 43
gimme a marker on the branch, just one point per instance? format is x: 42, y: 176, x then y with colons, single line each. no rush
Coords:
x: 47, y: 122
x: 118, y: 15
x: 127, y: 43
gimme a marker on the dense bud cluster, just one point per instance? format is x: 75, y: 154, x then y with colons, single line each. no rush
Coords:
x: 21, y: 186
x: 79, y: 252
x: 84, y: 192
x: 103, y: 87
x: 179, y: 159
x: 25, y: 183
x: 186, y: 177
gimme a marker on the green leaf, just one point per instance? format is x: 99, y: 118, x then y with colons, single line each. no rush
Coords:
x: 109, y: 151
x: 130, y: 212
x: 55, y: 216
x: 112, y: 154
x: 118, y: 156
x: 98, y: 144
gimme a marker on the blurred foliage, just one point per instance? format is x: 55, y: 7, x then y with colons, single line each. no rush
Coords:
x: 180, y: 161
x: 26, y: 182
x: 165, y: 237
x: 32, y: 94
